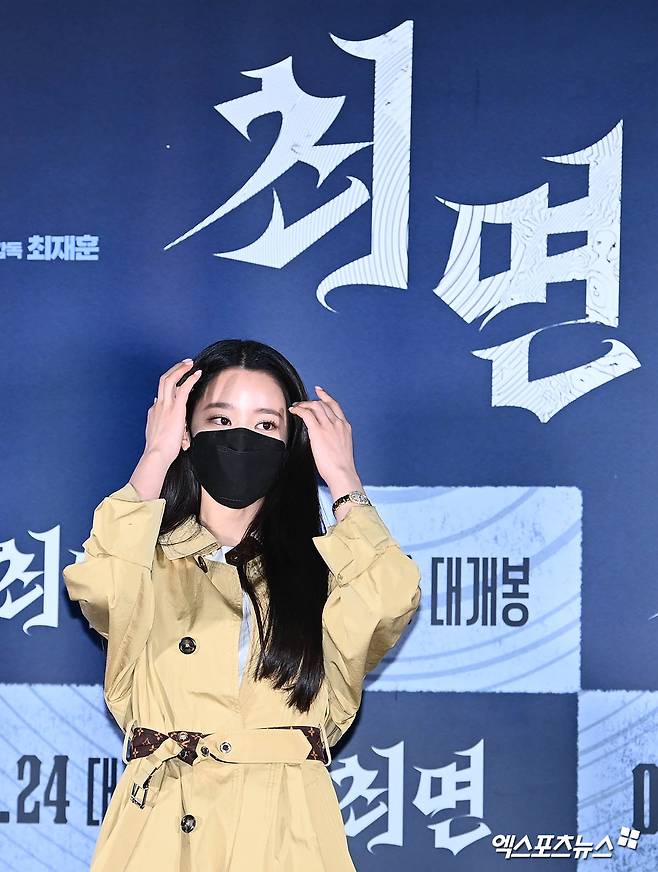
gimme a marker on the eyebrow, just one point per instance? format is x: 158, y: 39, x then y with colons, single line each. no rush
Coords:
x: 220, y: 405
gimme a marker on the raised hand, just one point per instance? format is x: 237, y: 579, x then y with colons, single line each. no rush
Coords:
x: 330, y: 435
x: 165, y: 426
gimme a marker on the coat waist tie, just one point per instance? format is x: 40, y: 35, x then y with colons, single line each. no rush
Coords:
x: 278, y: 744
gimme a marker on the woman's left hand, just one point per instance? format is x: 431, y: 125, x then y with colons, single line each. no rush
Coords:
x: 330, y: 435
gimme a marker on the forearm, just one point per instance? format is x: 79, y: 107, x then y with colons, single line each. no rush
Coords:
x: 339, y: 487
x: 149, y: 475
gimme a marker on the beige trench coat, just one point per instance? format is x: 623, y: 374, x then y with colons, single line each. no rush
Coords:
x: 275, y: 811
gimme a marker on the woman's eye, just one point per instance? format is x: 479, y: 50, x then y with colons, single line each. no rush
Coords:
x: 221, y: 419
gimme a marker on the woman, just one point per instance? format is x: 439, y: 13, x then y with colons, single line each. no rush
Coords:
x: 217, y: 538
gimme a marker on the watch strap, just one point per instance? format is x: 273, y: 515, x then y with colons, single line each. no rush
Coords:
x: 348, y: 498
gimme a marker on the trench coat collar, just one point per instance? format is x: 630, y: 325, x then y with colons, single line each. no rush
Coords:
x: 191, y: 538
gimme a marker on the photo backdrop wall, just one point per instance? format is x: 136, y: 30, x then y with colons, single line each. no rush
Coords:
x: 445, y: 214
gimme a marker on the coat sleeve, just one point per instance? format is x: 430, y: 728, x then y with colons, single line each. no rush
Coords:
x: 112, y: 583
x: 374, y: 591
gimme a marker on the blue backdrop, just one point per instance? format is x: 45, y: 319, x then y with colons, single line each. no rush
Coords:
x: 445, y: 214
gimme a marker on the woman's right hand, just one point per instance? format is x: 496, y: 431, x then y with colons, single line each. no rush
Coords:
x: 165, y: 427
x: 165, y: 424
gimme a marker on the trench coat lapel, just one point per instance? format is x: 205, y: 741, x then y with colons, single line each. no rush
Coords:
x: 192, y: 539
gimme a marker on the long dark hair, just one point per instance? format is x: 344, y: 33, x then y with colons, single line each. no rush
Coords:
x: 295, y: 573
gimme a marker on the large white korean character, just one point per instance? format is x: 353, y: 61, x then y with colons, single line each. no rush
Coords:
x: 17, y: 573
x: 457, y: 785
x: 361, y: 789
x: 532, y: 222
x: 304, y: 121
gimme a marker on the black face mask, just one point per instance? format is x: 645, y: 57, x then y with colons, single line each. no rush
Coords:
x: 237, y: 465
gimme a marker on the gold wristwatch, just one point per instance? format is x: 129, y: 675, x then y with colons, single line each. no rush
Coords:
x: 354, y: 496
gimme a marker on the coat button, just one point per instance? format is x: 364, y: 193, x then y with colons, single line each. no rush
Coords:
x: 202, y: 563
x: 225, y: 747
x: 187, y: 645
x: 205, y: 750
x: 188, y: 822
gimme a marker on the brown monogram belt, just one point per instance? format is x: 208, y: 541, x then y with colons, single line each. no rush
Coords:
x: 240, y: 745
x: 143, y: 741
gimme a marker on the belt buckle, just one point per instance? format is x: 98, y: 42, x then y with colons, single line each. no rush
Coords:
x: 133, y: 794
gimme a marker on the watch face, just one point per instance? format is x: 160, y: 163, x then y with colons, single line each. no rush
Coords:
x: 358, y: 497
